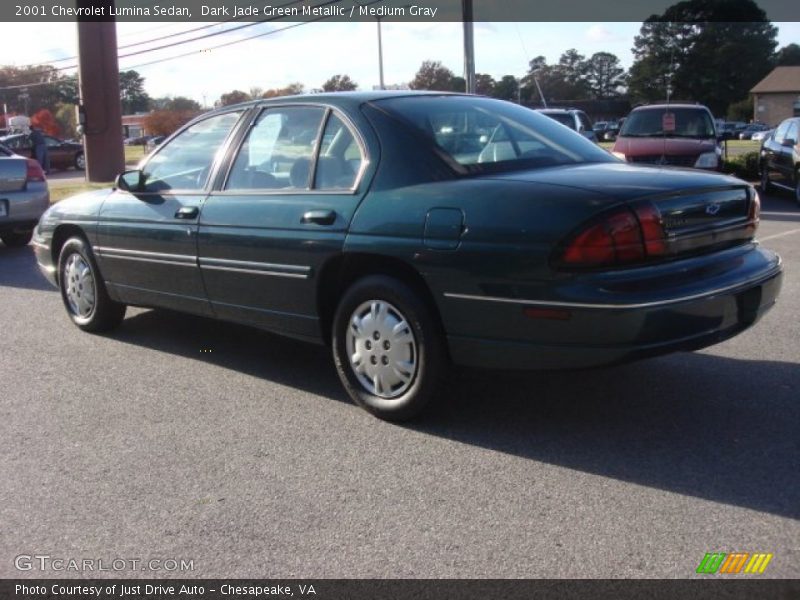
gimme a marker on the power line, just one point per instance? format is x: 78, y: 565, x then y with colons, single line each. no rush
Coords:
x: 194, y: 53
x: 177, y: 34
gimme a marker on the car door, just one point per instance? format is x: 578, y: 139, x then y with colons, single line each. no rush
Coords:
x: 282, y: 211
x: 785, y: 155
x: 147, y: 237
x: 59, y: 156
x: 772, y: 153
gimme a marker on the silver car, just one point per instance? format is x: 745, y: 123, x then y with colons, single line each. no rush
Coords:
x: 24, y: 196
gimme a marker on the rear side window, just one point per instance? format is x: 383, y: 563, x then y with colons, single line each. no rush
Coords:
x: 340, y: 157
x: 278, y: 151
x: 792, y: 133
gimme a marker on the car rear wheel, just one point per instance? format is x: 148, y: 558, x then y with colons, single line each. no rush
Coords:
x: 80, y: 161
x: 83, y: 291
x: 388, y: 348
x: 16, y: 239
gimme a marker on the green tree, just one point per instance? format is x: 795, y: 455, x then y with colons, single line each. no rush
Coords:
x: 339, y: 83
x: 484, y: 84
x: 176, y: 104
x: 507, y: 88
x: 26, y: 90
x: 433, y: 75
x: 604, y: 75
x: 710, y: 51
x: 788, y: 56
x: 67, y: 120
x: 741, y: 110
x: 132, y: 95
x: 293, y: 89
x: 234, y: 97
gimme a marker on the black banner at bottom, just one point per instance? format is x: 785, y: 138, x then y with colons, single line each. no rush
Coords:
x: 397, y: 589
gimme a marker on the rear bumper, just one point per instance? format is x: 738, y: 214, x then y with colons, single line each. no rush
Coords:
x: 24, y: 207
x: 592, y: 334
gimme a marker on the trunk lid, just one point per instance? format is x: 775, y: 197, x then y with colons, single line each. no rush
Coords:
x: 13, y: 173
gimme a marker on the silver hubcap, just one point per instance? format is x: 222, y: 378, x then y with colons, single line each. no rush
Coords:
x: 81, y: 161
x: 382, y: 349
x: 79, y: 283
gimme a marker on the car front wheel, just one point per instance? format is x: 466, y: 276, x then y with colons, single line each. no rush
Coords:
x: 83, y: 291
x: 80, y: 161
x: 797, y: 186
x: 765, y: 184
x: 388, y: 348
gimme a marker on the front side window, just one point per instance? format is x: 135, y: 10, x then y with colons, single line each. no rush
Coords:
x: 278, y: 151
x: 185, y: 162
x: 689, y: 123
x: 482, y: 134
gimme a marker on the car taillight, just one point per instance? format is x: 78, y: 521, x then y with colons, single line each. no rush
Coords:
x: 35, y: 172
x: 621, y: 236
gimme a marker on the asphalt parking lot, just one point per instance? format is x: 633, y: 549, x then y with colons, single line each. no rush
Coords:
x: 182, y: 438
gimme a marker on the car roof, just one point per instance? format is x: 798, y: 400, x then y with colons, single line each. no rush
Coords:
x: 344, y: 99
x: 671, y: 105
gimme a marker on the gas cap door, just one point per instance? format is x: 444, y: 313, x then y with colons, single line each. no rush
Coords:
x: 443, y: 228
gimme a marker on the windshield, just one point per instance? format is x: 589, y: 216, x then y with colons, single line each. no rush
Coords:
x: 563, y: 118
x: 689, y: 123
x: 483, y: 134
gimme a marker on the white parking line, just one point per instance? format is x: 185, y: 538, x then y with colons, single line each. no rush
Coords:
x: 778, y: 235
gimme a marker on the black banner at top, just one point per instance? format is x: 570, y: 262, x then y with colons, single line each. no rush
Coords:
x: 367, y: 10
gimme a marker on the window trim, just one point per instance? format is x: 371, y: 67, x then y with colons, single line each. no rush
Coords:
x: 327, y: 111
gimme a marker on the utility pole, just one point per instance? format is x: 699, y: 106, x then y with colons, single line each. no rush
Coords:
x: 469, y: 46
x: 100, y: 110
x: 380, y: 54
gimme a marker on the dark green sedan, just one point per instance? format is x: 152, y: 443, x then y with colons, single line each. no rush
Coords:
x: 410, y: 231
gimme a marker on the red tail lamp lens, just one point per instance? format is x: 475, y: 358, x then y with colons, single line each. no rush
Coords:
x: 35, y: 172
x: 622, y: 236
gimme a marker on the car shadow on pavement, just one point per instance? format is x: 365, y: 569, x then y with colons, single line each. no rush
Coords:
x: 712, y: 427
x: 18, y: 269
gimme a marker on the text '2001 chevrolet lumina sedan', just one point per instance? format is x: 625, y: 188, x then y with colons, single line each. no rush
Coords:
x: 409, y: 231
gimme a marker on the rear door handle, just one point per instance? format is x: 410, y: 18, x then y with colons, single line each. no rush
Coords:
x: 187, y: 212
x: 320, y: 217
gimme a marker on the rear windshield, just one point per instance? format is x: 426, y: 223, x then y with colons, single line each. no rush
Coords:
x: 482, y: 134
x: 689, y: 123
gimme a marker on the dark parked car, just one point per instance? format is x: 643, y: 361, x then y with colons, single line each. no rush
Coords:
x: 63, y: 154
x: 747, y: 132
x: 780, y: 158
x: 420, y: 229
x: 676, y: 134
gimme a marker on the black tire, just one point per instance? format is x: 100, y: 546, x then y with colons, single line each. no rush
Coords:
x: 403, y: 305
x: 80, y: 161
x: 16, y: 239
x: 766, y: 186
x: 102, y: 313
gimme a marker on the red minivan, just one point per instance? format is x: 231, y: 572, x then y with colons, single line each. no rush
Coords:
x: 682, y: 135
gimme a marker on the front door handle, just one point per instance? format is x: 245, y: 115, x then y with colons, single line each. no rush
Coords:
x: 187, y: 212
x: 320, y: 217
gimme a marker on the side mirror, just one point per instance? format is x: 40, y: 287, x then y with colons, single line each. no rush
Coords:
x: 789, y: 143
x: 130, y: 181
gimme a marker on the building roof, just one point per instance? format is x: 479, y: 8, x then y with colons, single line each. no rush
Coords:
x: 781, y: 79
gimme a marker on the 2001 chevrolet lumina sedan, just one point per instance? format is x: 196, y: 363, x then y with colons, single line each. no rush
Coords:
x: 409, y: 231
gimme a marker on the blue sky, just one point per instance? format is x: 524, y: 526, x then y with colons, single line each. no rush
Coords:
x: 313, y: 52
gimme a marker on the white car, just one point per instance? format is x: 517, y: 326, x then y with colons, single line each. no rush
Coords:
x: 759, y: 136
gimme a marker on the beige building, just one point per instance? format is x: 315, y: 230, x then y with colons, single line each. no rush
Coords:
x: 777, y: 96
